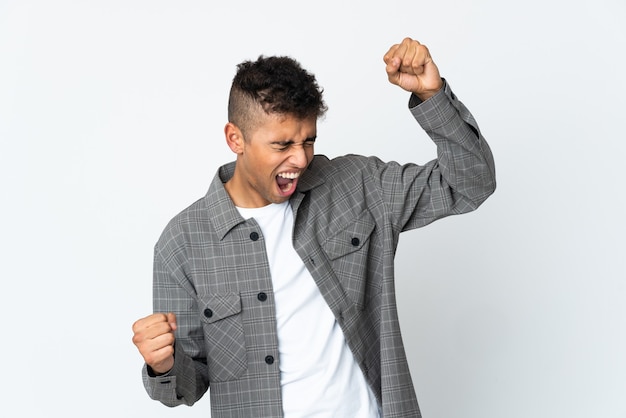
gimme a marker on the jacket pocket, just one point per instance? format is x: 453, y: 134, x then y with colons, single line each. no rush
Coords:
x: 349, y: 252
x: 224, y: 336
x: 350, y: 238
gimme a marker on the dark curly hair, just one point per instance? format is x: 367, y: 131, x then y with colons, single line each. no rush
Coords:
x: 277, y: 85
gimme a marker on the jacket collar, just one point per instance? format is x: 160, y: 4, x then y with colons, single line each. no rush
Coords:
x: 222, y: 211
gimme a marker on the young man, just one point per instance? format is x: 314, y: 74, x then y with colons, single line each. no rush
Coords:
x: 277, y: 288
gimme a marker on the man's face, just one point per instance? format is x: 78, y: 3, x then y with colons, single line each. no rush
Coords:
x: 270, y: 160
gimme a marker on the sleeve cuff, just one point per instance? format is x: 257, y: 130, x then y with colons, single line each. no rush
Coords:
x: 436, y: 111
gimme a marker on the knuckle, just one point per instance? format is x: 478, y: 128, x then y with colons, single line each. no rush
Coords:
x: 169, y: 338
x: 150, y: 358
x: 137, y: 325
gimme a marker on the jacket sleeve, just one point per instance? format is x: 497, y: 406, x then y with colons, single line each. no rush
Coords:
x: 458, y: 181
x: 187, y: 382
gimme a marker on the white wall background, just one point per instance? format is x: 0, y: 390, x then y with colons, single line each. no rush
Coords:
x: 111, y: 117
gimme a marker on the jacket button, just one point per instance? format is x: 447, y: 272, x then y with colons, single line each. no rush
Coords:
x: 254, y: 236
x: 262, y: 296
x: 355, y: 241
x: 269, y: 359
x: 208, y: 313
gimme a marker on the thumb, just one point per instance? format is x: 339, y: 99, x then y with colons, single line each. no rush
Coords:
x: 171, y: 318
x: 394, y: 75
x: 393, y: 67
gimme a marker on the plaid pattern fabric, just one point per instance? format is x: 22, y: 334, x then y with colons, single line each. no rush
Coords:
x: 211, y: 269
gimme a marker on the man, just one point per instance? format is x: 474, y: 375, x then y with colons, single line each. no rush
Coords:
x: 277, y: 288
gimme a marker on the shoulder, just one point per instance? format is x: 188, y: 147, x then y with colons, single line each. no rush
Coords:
x: 194, y: 222
x: 349, y: 164
x: 178, y: 230
x: 348, y: 177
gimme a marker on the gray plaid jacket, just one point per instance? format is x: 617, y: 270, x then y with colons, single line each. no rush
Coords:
x: 211, y: 269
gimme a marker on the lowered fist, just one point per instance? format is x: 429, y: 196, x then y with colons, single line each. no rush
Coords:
x: 154, y: 338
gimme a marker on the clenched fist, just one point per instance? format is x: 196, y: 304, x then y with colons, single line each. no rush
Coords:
x: 154, y: 338
x: 410, y: 66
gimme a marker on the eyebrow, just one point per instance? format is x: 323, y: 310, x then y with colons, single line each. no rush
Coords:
x: 291, y: 141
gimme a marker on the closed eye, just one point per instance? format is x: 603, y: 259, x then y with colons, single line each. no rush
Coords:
x: 285, y: 145
x: 282, y: 146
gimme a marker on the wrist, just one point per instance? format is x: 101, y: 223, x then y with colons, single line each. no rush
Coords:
x: 426, y: 94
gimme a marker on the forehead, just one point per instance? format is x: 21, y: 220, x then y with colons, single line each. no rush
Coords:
x: 274, y: 127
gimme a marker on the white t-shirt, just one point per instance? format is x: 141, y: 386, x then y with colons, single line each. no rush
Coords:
x: 319, y: 376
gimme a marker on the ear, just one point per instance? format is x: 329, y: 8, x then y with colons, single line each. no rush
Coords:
x: 234, y: 138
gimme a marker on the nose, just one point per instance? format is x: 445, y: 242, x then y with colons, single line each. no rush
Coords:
x: 299, y: 157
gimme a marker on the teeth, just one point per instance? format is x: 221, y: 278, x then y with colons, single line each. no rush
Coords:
x: 289, y: 175
x: 287, y: 187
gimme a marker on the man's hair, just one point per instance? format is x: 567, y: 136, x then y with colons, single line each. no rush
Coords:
x: 277, y: 85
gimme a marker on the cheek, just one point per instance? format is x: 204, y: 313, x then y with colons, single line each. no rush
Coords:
x: 310, y: 152
x: 266, y: 167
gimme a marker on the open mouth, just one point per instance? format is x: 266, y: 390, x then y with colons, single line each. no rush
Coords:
x: 287, y: 181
